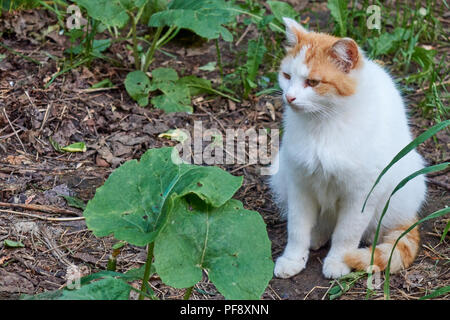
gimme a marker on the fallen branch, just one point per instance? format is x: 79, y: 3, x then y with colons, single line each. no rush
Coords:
x: 37, y: 207
x: 41, y: 217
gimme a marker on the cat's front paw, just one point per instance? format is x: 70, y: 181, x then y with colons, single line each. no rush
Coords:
x: 334, y: 268
x: 286, y: 267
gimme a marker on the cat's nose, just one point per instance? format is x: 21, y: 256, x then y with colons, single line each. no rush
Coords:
x: 290, y: 99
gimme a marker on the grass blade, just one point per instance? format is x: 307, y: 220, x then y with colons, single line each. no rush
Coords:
x: 433, y: 215
x: 424, y: 136
x: 402, y: 183
x: 444, y: 233
x: 438, y: 292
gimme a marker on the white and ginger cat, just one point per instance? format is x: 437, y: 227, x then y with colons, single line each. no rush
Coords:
x: 344, y: 121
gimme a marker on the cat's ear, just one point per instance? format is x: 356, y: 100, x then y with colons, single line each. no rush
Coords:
x: 293, y: 31
x: 345, y: 53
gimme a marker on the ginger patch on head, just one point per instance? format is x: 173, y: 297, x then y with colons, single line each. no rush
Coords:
x: 330, y: 60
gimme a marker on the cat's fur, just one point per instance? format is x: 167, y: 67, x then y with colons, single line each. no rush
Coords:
x: 338, y: 136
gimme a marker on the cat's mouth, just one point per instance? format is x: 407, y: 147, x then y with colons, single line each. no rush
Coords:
x: 297, y: 107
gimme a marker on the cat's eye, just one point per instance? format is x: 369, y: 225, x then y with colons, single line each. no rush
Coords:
x: 312, y: 82
x: 287, y: 75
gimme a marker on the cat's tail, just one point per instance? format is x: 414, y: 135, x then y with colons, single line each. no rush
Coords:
x: 402, y: 257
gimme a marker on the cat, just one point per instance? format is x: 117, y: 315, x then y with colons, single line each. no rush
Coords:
x: 344, y: 121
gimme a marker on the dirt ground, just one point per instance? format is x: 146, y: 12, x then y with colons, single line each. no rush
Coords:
x: 115, y: 130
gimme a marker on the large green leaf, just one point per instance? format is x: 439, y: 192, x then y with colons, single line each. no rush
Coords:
x: 104, y: 289
x: 204, y: 17
x: 231, y: 243
x: 175, y: 98
x: 197, y: 85
x: 90, y: 290
x: 109, y: 12
x: 137, y: 85
x: 112, y: 13
x: 176, y: 95
x: 132, y: 204
x: 282, y: 9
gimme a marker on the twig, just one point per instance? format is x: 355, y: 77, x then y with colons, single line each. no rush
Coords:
x: 29, y: 99
x: 276, y: 294
x: 42, y: 217
x: 316, y: 287
x: 47, y: 111
x: 14, y: 130
x: 89, y: 90
x: 243, y: 35
x: 51, y: 245
x: 422, y: 90
x: 329, y: 288
x: 37, y: 207
x: 440, y: 184
x: 242, y: 167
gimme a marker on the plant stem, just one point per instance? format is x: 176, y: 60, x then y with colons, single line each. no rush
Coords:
x: 151, y: 51
x: 19, y: 54
x: 219, y: 59
x: 212, y: 90
x: 259, y: 18
x: 188, y: 293
x: 148, y: 266
x: 72, y: 66
x: 137, y: 61
x: 167, y: 36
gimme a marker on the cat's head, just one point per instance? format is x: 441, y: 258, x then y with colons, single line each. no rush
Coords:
x: 318, y: 68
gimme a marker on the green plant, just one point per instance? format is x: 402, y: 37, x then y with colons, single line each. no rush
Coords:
x: 438, y: 167
x: 249, y: 71
x: 10, y: 5
x: 340, y: 14
x: 445, y: 232
x: 185, y: 216
x: 204, y: 17
x: 400, y: 39
x: 247, y: 76
x: 167, y: 18
x: 436, y: 293
x: 345, y: 283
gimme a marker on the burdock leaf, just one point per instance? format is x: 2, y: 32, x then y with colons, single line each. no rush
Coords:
x: 231, y: 243
x: 137, y: 85
x: 132, y: 204
x: 204, y: 17
x: 282, y: 9
x: 175, y: 95
x: 105, y: 289
x: 175, y: 98
x: 109, y: 12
